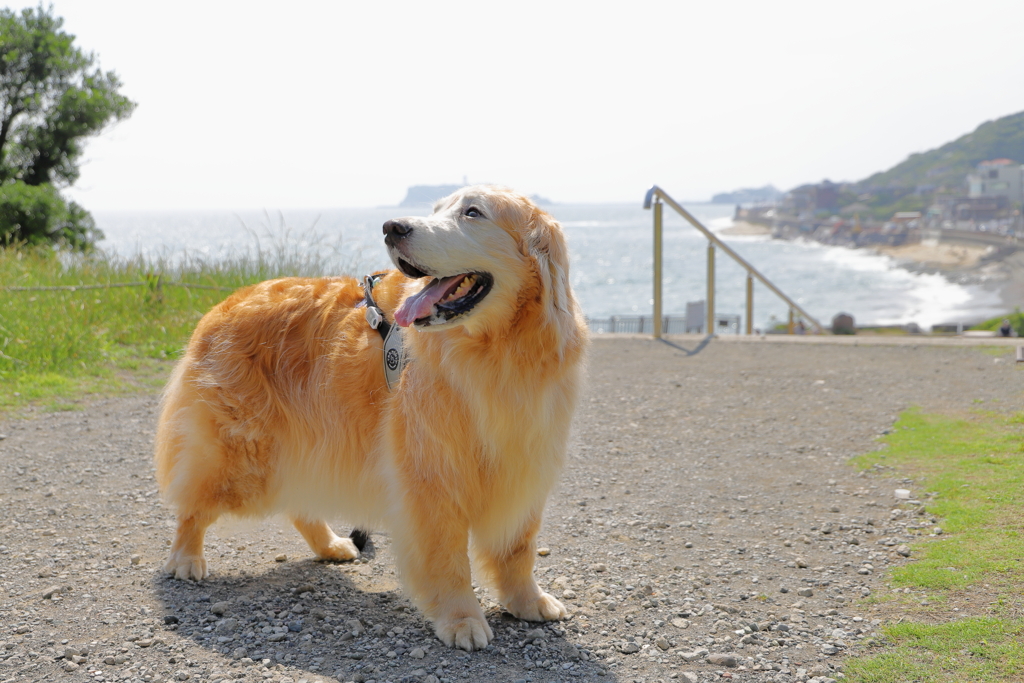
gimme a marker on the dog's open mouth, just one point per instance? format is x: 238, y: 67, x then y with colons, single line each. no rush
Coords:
x: 444, y: 299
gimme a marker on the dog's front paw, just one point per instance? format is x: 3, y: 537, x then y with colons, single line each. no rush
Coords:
x: 187, y: 567
x: 542, y: 607
x: 339, y: 550
x: 466, y: 633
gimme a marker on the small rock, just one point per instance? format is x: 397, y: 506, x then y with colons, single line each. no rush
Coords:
x: 543, y: 552
x: 662, y: 643
x: 417, y: 653
x: 629, y: 648
x: 144, y: 642
x: 277, y: 637
x: 136, y: 559
x: 281, y: 558
x: 226, y: 626
x: 937, y: 531
x: 805, y: 593
x: 829, y: 649
x: 535, y: 634
x: 695, y: 655
x: 220, y: 608
x: 170, y: 619
x: 569, y: 594
x: 50, y: 592
x: 294, y: 627
x: 783, y: 589
x: 305, y: 588
x: 22, y: 629
x: 802, y: 563
x: 689, y: 677
x: 70, y: 666
x: 903, y: 550
x: 239, y: 653
x: 599, y: 567
x: 680, y: 623
x: 729, y: 660
x: 355, y: 627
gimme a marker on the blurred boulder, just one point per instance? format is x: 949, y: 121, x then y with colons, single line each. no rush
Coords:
x: 843, y: 324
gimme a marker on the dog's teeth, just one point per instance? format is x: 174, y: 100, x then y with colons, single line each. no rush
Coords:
x: 459, y: 292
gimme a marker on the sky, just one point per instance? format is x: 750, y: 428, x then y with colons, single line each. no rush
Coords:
x: 324, y: 104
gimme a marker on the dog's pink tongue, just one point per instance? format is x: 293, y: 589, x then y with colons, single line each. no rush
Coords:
x: 421, y: 304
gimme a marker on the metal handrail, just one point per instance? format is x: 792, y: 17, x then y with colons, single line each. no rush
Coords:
x: 656, y: 195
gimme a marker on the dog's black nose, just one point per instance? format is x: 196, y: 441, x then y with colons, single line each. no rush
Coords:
x: 396, y: 230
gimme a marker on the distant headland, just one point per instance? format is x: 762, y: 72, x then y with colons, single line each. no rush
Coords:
x: 418, y: 196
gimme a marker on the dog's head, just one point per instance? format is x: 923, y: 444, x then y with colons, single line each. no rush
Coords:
x: 483, y: 254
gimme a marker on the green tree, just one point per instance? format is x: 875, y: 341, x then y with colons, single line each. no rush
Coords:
x: 37, y: 214
x: 51, y: 99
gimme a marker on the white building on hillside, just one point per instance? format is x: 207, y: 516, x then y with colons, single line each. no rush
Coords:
x: 998, y: 178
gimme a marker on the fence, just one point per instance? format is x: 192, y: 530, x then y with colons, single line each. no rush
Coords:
x: 670, y: 324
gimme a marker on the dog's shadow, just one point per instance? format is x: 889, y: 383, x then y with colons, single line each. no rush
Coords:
x: 302, y: 615
x: 697, y: 349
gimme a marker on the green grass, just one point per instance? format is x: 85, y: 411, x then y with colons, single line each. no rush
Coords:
x: 56, y: 346
x: 1016, y: 320
x: 974, y: 649
x: 972, y: 474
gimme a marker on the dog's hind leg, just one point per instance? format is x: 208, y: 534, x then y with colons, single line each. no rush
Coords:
x: 510, y: 568
x: 325, y: 543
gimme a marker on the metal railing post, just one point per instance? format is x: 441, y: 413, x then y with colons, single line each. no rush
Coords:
x: 656, y: 195
x: 711, y: 288
x: 791, y: 328
x: 750, y: 304
x: 657, y: 269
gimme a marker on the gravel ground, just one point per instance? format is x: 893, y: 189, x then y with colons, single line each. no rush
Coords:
x: 706, y: 528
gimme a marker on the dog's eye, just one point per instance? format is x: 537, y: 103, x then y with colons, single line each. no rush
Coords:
x: 473, y: 212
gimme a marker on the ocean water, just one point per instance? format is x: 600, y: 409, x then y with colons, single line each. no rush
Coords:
x: 612, y: 263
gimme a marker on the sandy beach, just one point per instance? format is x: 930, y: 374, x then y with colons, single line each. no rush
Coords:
x: 939, y: 254
x: 995, y: 268
x: 987, y: 266
x: 744, y: 228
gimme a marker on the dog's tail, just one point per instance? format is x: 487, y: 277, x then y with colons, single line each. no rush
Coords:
x: 360, y: 538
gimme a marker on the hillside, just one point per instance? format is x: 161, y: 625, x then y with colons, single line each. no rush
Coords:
x: 948, y: 165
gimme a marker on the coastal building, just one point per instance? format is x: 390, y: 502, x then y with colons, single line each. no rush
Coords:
x: 997, y: 178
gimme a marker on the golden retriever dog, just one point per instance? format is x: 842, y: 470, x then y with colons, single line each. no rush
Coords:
x: 280, y: 405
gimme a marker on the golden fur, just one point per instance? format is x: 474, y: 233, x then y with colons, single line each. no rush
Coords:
x: 280, y: 405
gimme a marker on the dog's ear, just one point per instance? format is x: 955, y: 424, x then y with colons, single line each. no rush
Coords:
x: 546, y: 244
